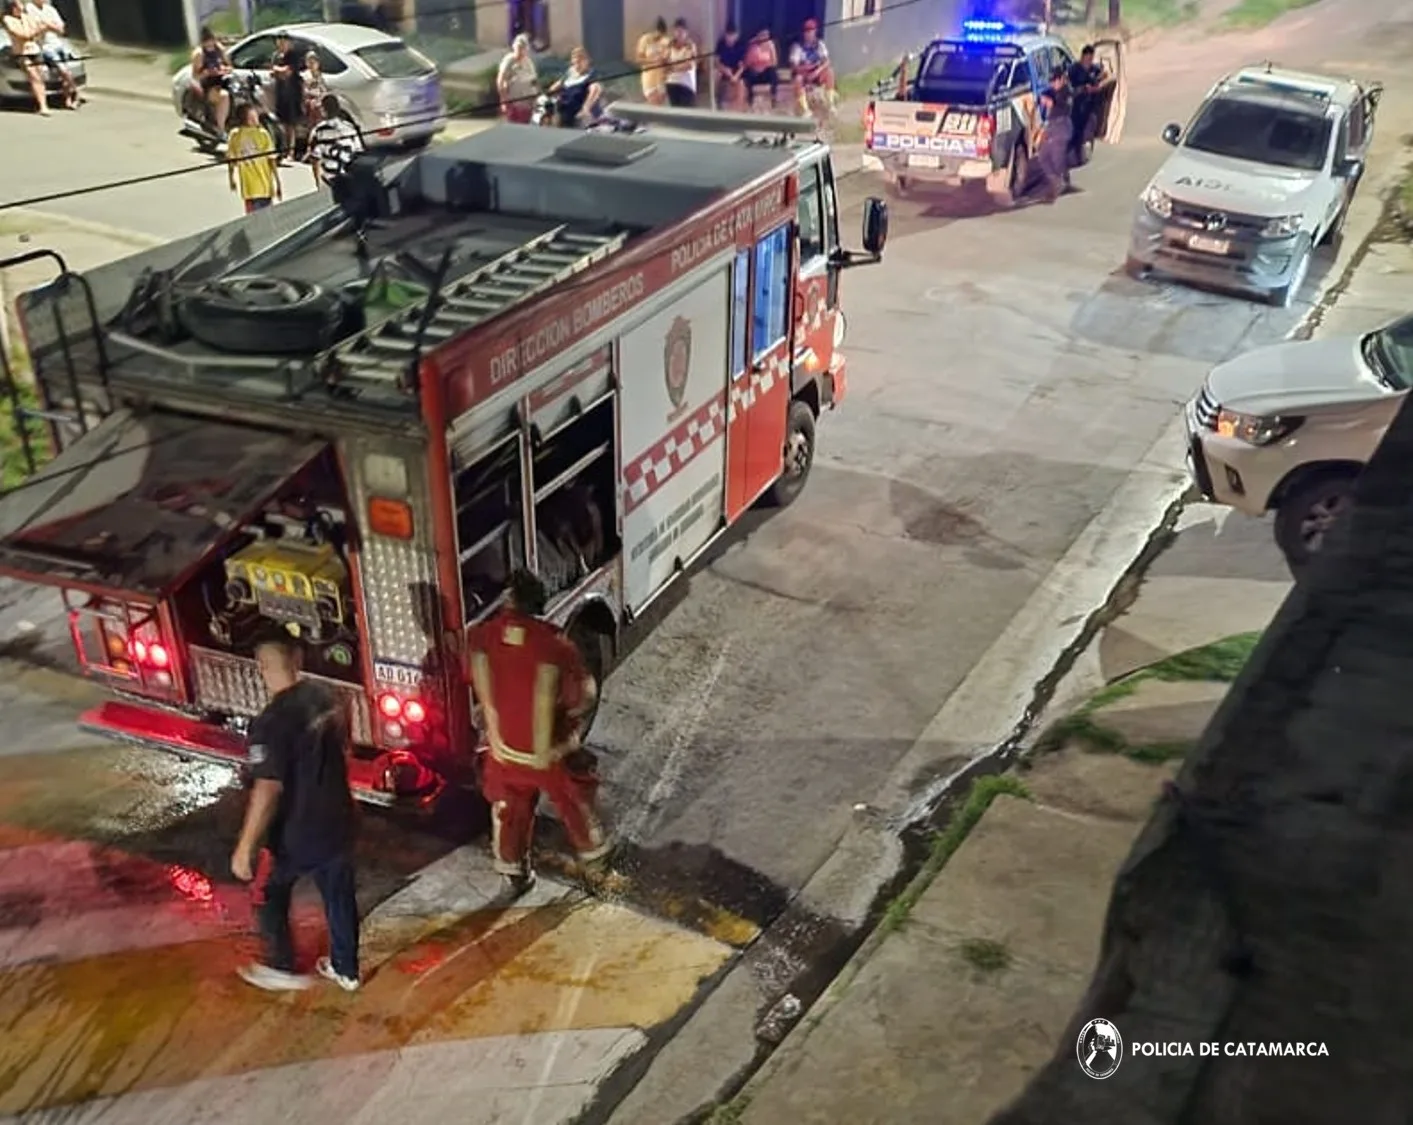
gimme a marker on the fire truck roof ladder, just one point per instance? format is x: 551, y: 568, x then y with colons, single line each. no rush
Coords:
x: 387, y: 352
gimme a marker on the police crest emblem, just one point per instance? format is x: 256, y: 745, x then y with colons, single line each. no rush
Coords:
x: 677, y: 360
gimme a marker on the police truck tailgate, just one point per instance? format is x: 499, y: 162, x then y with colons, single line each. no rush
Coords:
x: 925, y: 135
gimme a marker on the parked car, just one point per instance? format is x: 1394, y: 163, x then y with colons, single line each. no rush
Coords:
x: 392, y: 92
x: 1260, y: 178
x: 15, y: 85
x: 1288, y: 428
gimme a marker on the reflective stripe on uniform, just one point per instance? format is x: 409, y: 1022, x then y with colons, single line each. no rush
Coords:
x: 545, y: 702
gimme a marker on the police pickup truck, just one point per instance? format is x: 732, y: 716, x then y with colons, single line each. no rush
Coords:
x: 1262, y: 175
x: 966, y: 110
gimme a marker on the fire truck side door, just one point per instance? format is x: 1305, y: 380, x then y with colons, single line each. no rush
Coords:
x: 831, y: 228
x: 818, y: 242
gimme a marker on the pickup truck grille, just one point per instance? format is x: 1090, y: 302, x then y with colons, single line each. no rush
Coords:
x: 1203, y: 218
x: 1207, y: 408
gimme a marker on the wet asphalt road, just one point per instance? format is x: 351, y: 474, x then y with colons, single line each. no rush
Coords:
x: 1004, y: 379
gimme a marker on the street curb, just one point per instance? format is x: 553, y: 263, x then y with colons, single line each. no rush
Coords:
x: 99, y: 230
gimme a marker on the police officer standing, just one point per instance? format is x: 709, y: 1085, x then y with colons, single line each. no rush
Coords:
x: 302, y: 809
x: 1057, y: 102
x: 533, y: 691
x: 1088, y: 81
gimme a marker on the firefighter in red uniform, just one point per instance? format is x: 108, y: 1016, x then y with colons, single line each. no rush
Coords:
x: 533, y: 691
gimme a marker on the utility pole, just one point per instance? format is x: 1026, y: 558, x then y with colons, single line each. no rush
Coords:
x: 1113, y: 13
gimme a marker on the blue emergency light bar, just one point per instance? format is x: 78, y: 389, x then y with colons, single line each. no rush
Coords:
x: 988, y: 31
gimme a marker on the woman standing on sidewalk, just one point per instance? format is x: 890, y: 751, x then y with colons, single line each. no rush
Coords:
x: 518, y: 82
x: 25, y: 34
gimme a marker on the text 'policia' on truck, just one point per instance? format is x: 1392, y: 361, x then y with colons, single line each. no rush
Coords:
x: 587, y: 357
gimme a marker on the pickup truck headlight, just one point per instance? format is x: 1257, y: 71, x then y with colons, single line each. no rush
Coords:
x: 1158, y: 201
x: 1256, y: 429
x: 1282, y: 226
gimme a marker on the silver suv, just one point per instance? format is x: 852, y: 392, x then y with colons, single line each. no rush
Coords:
x: 390, y: 91
x: 1288, y: 428
x: 1262, y: 175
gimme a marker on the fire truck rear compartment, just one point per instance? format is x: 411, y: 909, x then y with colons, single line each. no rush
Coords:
x: 177, y: 543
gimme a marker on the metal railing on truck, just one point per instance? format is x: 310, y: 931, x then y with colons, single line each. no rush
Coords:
x: 56, y: 412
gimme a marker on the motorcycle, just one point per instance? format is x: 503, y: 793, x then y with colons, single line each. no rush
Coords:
x: 546, y: 116
x: 199, y: 124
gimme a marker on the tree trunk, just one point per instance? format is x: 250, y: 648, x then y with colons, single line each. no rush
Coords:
x: 1089, y: 11
x: 1113, y: 13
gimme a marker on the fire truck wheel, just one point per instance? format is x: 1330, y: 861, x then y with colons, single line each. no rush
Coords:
x: 596, y: 648
x: 799, y: 456
x: 269, y: 315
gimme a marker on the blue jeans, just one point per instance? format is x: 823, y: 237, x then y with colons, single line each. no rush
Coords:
x: 335, y: 881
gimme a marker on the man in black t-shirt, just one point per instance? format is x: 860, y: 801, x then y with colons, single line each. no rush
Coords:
x: 302, y: 809
x: 1088, y: 81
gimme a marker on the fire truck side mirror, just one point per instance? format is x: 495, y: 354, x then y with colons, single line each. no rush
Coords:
x: 875, y: 226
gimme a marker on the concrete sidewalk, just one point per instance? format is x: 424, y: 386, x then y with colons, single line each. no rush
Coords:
x: 961, y: 994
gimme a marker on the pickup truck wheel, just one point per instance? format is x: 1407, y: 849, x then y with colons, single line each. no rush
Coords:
x: 1307, y: 513
x: 1285, y: 296
x: 1331, y: 236
x: 1017, y: 178
x: 799, y: 456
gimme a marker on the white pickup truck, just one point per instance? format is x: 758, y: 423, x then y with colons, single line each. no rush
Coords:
x: 1262, y: 175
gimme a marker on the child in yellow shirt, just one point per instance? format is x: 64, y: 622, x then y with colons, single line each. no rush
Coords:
x: 253, y: 162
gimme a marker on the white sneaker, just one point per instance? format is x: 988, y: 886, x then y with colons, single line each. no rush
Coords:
x: 273, y: 980
x: 325, y: 968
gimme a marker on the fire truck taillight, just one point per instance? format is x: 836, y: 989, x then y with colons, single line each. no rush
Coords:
x: 400, y: 714
x: 985, y: 130
x: 390, y: 518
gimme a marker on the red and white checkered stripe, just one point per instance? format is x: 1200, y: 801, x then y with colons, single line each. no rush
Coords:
x: 658, y: 464
x: 750, y: 389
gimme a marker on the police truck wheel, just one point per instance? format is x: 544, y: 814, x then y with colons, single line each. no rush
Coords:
x: 1285, y: 296
x: 1017, y: 178
x: 799, y: 456
x: 263, y: 315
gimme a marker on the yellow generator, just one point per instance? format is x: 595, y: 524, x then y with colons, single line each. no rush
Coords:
x: 302, y: 586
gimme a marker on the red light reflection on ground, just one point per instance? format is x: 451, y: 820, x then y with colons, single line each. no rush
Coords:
x: 190, y: 884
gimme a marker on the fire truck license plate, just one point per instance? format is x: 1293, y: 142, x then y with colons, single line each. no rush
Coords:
x: 924, y: 160
x: 1209, y: 245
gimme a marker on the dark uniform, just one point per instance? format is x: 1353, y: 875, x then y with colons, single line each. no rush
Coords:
x: 300, y: 740
x: 1058, y: 102
x: 1084, y: 79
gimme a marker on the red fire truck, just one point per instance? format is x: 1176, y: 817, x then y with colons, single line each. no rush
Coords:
x: 583, y: 354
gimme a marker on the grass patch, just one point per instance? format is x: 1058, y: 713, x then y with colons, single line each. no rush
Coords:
x: 1219, y: 662
x: 14, y: 469
x: 1405, y: 193
x: 983, y: 791
x: 859, y: 84
x: 1136, y: 15
x: 984, y: 955
x: 1249, y: 14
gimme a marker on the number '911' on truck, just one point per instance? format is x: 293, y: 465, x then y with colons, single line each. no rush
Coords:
x: 584, y: 355
x: 966, y: 110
